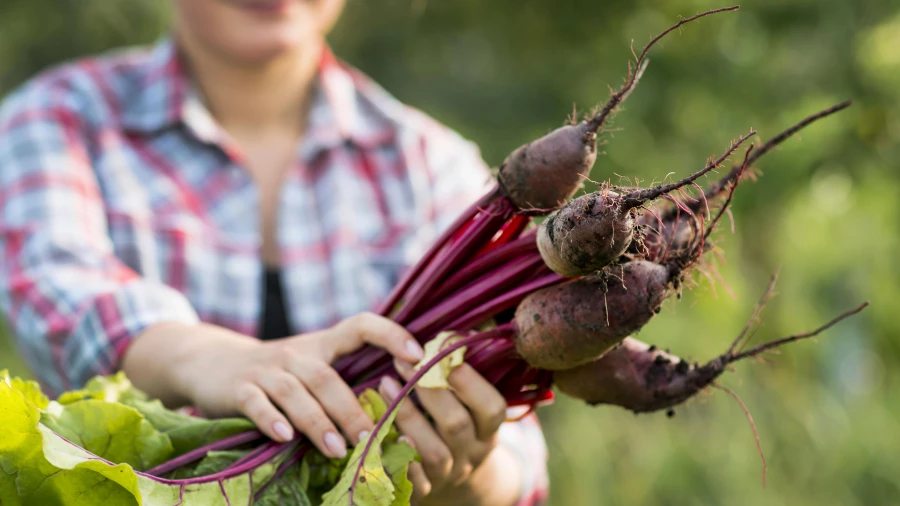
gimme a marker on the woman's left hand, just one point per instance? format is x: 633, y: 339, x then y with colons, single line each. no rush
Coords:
x: 458, y: 450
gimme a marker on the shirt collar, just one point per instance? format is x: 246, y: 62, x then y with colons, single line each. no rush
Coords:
x: 158, y: 91
x: 340, y: 112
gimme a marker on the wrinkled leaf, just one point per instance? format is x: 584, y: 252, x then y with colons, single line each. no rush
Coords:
x: 287, y: 490
x: 374, y: 486
x: 27, y: 452
x: 113, y: 431
x: 113, y: 388
x: 185, y: 432
x: 397, y: 458
x: 30, y: 389
x: 217, y: 461
x: 436, y: 377
x: 9, y: 496
x: 211, y: 464
x: 50, y: 470
x: 188, y: 432
x: 375, y: 406
x: 88, y: 480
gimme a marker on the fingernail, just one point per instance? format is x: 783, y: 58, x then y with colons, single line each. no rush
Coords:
x: 404, y: 368
x: 283, y: 431
x: 415, y: 351
x: 391, y: 388
x: 362, y: 435
x: 335, y: 445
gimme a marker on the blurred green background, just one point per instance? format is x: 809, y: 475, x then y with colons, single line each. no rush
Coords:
x: 826, y: 210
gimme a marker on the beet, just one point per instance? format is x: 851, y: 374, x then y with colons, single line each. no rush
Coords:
x: 545, y: 173
x: 586, y: 235
x: 660, y: 240
x: 637, y: 377
x: 594, y: 230
x: 642, y: 378
x: 566, y: 325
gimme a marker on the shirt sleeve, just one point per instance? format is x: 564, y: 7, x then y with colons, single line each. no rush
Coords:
x: 72, y: 305
x: 460, y: 177
x: 526, y: 440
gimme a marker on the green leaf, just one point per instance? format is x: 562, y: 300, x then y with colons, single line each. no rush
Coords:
x: 287, y: 490
x: 373, y: 486
x: 375, y: 406
x: 397, y: 458
x: 88, y: 481
x: 30, y: 389
x: 25, y: 453
x: 436, y: 377
x: 112, y: 431
x: 211, y: 464
x: 185, y: 432
x: 50, y: 470
x: 188, y: 432
x: 113, y: 388
x: 20, y: 446
x: 9, y: 496
x: 218, y: 461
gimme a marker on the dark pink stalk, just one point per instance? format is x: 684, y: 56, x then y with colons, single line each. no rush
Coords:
x: 499, y: 371
x: 195, y: 455
x: 363, y: 363
x: 253, y: 454
x: 261, y: 459
x: 388, y: 305
x: 467, y: 320
x: 515, y: 251
x: 474, y: 238
x: 476, y: 294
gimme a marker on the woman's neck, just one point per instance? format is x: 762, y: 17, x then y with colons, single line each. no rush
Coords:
x: 255, y: 99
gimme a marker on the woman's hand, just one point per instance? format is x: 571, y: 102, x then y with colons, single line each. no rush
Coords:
x: 461, y: 461
x: 224, y: 373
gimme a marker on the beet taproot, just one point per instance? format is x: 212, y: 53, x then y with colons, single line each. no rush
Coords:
x: 543, y: 174
x: 637, y: 377
x: 642, y: 378
x: 566, y: 325
x: 594, y: 230
x: 674, y: 226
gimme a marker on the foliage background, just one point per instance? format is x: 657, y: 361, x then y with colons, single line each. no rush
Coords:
x: 826, y: 210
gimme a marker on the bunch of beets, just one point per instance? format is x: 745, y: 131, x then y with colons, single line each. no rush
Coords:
x: 553, y: 304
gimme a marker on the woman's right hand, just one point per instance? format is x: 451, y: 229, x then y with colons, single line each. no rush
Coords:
x: 224, y: 373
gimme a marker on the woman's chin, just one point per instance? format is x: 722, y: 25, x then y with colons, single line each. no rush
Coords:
x: 268, y: 46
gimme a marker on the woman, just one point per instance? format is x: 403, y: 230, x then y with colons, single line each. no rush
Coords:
x: 155, y: 202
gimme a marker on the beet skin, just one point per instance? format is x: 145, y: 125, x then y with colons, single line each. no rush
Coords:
x: 566, y: 325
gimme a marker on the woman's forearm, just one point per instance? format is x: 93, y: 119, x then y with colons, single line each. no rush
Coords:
x: 160, y: 359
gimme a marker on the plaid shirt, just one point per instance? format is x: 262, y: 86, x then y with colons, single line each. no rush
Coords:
x: 124, y: 205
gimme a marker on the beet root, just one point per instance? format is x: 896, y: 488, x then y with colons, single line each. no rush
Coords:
x: 638, y: 377
x: 586, y: 235
x: 594, y: 230
x: 664, y: 239
x: 642, y: 378
x: 566, y: 325
x: 545, y: 173
x: 674, y: 228
x: 542, y: 175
